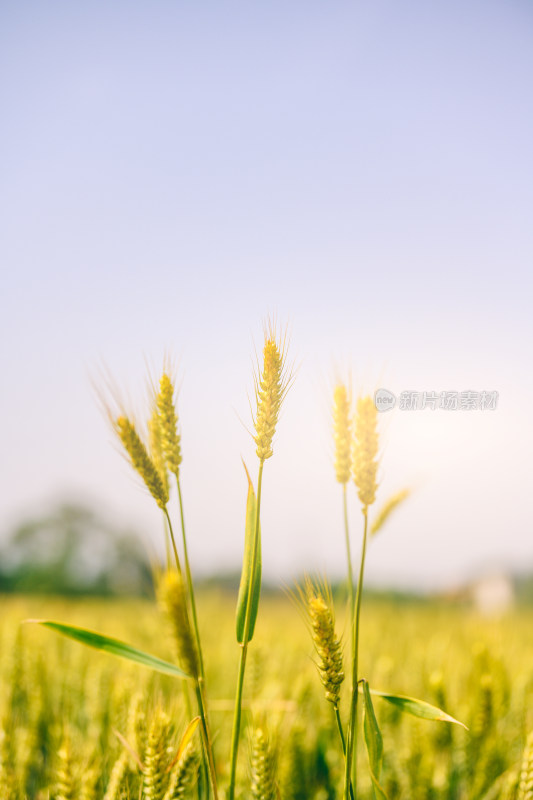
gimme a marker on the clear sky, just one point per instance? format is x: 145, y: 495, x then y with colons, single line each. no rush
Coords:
x: 173, y: 172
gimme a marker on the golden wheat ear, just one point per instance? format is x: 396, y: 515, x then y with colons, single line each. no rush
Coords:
x: 155, y: 757
x: 271, y: 385
x: 262, y: 766
x: 140, y: 460
x: 156, y: 447
x: 173, y: 597
x: 184, y: 775
x: 365, y: 450
x: 525, y: 786
x: 342, y: 433
x: 168, y: 417
x: 318, y: 603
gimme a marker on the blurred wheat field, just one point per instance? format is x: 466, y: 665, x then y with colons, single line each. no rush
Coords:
x: 61, y: 706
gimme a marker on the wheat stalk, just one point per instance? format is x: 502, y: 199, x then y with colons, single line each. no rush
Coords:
x: 364, y: 468
x: 173, y: 598
x: 271, y: 386
x: 342, y: 436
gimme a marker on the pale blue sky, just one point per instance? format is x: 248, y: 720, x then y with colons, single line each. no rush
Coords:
x: 172, y: 172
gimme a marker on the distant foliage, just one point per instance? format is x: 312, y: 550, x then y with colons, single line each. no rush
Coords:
x: 73, y: 551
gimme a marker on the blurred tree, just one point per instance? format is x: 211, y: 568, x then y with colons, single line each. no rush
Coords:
x: 74, y: 551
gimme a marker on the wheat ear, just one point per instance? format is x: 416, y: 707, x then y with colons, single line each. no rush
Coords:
x: 364, y: 467
x: 342, y: 433
x: 173, y: 598
x: 365, y: 450
x: 271, y: 386
x: 328, y: 647
x: 184, y: 775
x: 141, y: 461
x: 168, y: 417
x: 525, y: 786
x: 156, y: 447
x: 342, y: 436
x: 155, y: 761
x: 65, y: 781
x: 263, y: 767
x: 118, y: 773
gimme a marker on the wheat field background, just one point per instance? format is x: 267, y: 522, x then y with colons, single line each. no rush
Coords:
x: 62, y: 705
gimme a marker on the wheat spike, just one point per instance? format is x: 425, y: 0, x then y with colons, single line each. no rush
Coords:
x: 65, y: 783
x: 118, y: 774
x: 328, y: 647
x: 89, y: 783
x: 270, y: 388
x: 155, y: 776
x: 184, y: 775
x: 484, y: 717
x: 525, y: 786
x: 342, y: 433
x: 141, y: 461
x: 365, y: 450
x: 7, y: 758
x: 173, y: 598
x: 156, y: 447
x: 263, y: 767
x: 170, y: 438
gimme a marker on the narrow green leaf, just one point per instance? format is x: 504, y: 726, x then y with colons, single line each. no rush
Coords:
x: 113, y: 646
x: 417, y: 708
x: 247, y: 579
x: 373, y: 742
